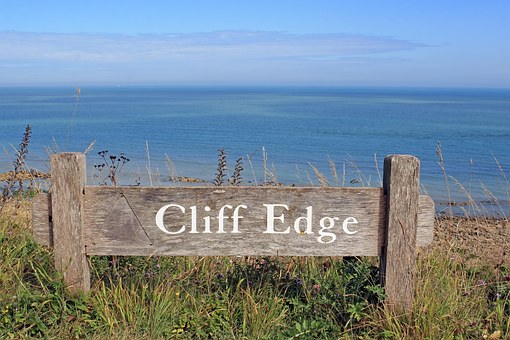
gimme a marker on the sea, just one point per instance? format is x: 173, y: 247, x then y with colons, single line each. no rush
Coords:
x: 283, y: 134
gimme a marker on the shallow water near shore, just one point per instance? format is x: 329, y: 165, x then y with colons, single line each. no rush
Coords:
x: 354, y: 127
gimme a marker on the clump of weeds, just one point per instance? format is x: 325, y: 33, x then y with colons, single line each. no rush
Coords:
x: 112, y: 166
x: 222, y: 171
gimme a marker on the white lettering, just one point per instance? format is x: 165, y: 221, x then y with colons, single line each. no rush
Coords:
x: 222, y: 217
x: 236, y: 217
x: 161, y: 224
x: 275, y: 221
x: 207, y: 221
x: 330, y: 224
x: 307, y: 219
x: 347, y: 222
x: 271, y: 218
x: 193, y: 220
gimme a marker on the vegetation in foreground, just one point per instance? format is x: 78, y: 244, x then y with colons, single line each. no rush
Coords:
x: 460, y: 292
x: 247, y: 297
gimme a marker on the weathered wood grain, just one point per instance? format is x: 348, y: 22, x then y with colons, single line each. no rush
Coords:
x: 398, y: 260
x: 42, y: 226
x: 68, y: 180
x: 426, y: 218
x: 105, y: 209
x: 390, y: 222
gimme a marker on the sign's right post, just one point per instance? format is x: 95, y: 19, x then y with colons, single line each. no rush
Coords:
x: 401, y: 185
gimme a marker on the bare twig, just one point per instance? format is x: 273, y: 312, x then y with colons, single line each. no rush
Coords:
x: 439, y: 152
x: 148, y: 162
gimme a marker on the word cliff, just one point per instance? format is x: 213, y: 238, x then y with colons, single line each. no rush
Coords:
x: 275, y: 221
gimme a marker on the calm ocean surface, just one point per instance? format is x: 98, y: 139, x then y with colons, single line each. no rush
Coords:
x: 294, y: 125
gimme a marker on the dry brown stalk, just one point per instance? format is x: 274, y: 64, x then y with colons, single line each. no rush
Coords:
x: 323, y: 181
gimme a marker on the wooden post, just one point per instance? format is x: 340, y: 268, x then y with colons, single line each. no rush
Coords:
x: 68, y: 178
x: 398, y: 260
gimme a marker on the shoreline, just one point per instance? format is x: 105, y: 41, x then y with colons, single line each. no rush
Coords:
x: 491, y: 208
x: 473, y: 240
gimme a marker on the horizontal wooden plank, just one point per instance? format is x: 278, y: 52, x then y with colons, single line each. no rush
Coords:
x: 41, y: 219
x: 42, y: 227
x: 426, y: 217
x: 122, y: 221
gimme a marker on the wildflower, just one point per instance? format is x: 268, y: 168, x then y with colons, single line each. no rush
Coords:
x: 316, y: 288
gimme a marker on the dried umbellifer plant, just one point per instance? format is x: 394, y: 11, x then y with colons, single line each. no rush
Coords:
x: 113, y: 164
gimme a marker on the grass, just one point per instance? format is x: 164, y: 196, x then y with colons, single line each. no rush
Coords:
x: 246, y: 297
x: 241, y: 297
x: 452, y: 301
x: 178, y: 297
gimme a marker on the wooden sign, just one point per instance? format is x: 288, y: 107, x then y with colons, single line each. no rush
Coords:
x: 280, y: 221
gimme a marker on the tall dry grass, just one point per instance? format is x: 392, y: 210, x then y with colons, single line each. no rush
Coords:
x: 250, y: 297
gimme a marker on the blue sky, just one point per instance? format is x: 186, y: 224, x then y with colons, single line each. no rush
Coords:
x: 288, y: 42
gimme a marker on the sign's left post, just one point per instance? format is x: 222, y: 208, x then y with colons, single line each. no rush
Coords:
x: 68, y: 180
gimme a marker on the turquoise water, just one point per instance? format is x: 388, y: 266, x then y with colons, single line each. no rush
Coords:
x: 294, y: 125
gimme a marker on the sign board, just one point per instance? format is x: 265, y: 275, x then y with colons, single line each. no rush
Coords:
x: 276, y: 221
